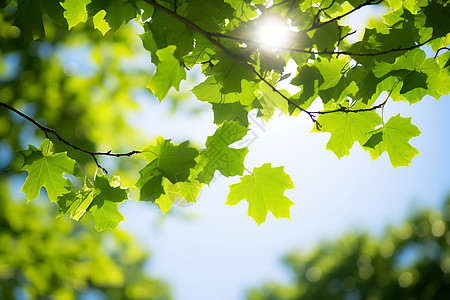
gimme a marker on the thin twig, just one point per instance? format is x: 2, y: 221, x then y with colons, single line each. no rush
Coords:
x: 318, y: 25
x: 312, y: 52
x: 48, y: 131
x: 349, y: 110
x: 440, y: 49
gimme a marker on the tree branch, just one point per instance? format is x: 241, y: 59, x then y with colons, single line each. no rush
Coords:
x: 48, y: 131
x: 349, y: 110
x: 209, y: 37
x: 248, y: 41
x: 318, y: 25
x: 440, y: 49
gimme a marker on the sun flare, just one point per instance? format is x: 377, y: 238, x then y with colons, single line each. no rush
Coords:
x: 273, y: 34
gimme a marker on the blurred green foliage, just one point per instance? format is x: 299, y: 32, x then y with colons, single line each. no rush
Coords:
x: 44, y: 258
x: 411, y: 261
x: 73, y: 77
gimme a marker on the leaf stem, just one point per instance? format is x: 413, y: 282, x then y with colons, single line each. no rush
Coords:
x: 248, y: 170
x: 48, y: 131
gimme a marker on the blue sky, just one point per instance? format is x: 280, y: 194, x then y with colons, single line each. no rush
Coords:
x: 209, y: 249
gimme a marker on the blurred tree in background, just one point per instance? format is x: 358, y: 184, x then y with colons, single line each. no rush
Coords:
x: 43, y: 258
x: 411, y: 261
x: 72, y: 77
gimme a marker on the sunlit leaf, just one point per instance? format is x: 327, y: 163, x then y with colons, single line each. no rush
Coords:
x: 45, y: 169
x: 264, y: 191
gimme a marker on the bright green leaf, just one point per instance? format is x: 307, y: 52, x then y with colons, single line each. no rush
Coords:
x: 75, y: 11
x: 218, y: 154
x: 395, y: 141
x: 105, y: 206
x: 100, y: 23
x: 45, y: 169
x: 169, y: 73
x: 346, y: 128
x: 180, y: 191
x: 264, y: 191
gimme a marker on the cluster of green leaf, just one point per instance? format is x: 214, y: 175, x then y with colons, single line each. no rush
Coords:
x: 241, y: 74
x: 411, y: 261
x: 66, y: 260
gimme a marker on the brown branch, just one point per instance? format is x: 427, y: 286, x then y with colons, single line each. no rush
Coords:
x: 48, y: 131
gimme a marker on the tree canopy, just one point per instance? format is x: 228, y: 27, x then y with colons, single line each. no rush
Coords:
x: 80, y: 112
x: 67, y: 260
x: 411, y: 261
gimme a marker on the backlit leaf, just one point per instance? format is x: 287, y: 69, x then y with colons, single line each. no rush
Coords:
x: 45, y: 169
x: 219, y: 156
x: 169, y: 73
x: 264, y: 191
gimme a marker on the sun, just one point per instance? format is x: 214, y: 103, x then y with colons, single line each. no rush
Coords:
x: 273, y: 33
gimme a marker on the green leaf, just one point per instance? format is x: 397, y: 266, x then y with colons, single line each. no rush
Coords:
x: 54, y: 10
x: 229, y: 72
x: 269, y: 100
x: 180, y: 191
x: 81, y: 202
x: 169, y: 73
x: 210, y: 15
x: 366, y: 82
x: 375, y: 139
x: 309, y: 79
x: 164, y: 160
x: 105, y: 206
x: 75, y: 11
x: 45, y: 169
x: 346, y: 128
x: 264, y: 191
x: 413, y: 81
x: 437, y: 16
x: 395, y: 141
x: 174, y: 162
x: 29, y: 19
x: 100, y: 23
x: 149, y: 184
x: 164, y: 31
x: 230, y: 112
x: 326, y: 37
x: 211, y: 91
x: 114, y: 11
x: 218, y: 154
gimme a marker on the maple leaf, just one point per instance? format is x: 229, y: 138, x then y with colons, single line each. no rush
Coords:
x: 102, y: 199
x: 168, y: 73
x: 264, y: 191
x: 346, y: 128
x: 393, y: 138
x: 164, y: 160
x: 218, y: 154
x: 75, y: 11
x: 180, y: 191
x: 45, y: 169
